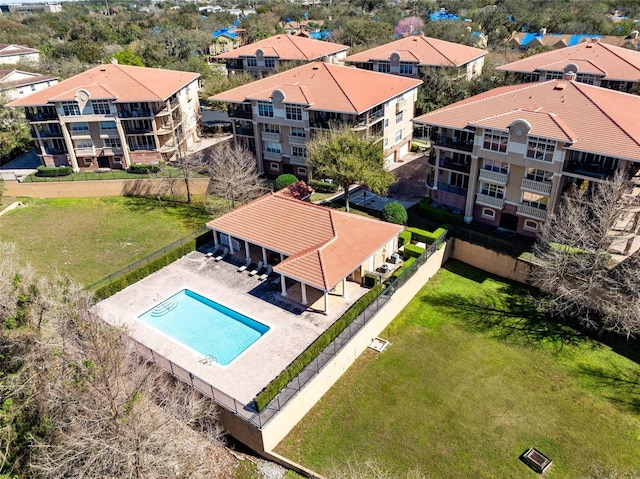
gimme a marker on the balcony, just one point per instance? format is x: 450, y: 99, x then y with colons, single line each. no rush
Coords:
x: 270, y: 136
x: 85, y: 151
x: 272, y: 155
x: 297, y: 140
x: 50, y: 134
x: 319, y: 123
x: 107, y: 151
x: 455, y: 144
x: 494, y: 177
x: 542, y: 187
x: 167, y: 147
x: 490, y: 201
x: 41, y: 116
x: 244, y: 130
x: 449, y: 164
x: 137, y: 129
x: 135, y: 113
x: 532, y: 212
x: 298, y: 160
x: 446, y: 187
x: 240, y: 113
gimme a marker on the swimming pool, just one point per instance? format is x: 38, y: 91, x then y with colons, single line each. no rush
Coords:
x: 217, y: 332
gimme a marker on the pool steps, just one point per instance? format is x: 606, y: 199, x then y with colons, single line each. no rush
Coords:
x: 163, y: 308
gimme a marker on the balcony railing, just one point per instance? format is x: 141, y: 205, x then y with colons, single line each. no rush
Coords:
x: 532, y: 212
x: 494, y: 177
x: 240, y: 113
x: 319, y: 123
x: 270, y: 136
x: 455, y: 144
x: 542, y: 187
x: 137, y: 129
x: 491, y: 201
x: 446, y: 187
x: 85, y: 151
x: 271, y: 155
x: 111, y: 151
x: 42, y: 116
x: 244, y: 131
x: 298, y: 160
x: 297, y: 140
x: 141, y: 113
x: 451, y: 165
x: 50, y: 134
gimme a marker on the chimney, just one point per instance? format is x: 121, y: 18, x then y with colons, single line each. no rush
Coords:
x: 113, y: 61
x: 542, y: 32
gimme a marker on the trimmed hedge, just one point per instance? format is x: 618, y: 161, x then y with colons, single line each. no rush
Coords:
x: 427, y: 237
x: 285, y: 180
x: 323, y: 186
x: 397, y: 273
x: 439, y: 214
x: 313, y: 351
x: 412, y: 251
x: 144, y: 168
x: 54, y: 171
x: 404, y: 238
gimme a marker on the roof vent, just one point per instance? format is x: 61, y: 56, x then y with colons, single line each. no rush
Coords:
x: 315, y: 68
x: 560, y: 86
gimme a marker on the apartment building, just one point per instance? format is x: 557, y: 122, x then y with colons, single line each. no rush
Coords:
x: 409, y: 55
x: 266, y: 56
x: 12, y: 54
x: 17, y: 83
x: 592, y: 61
x: 275, y: 117
x: 506, y: 156
x: 114, y: 115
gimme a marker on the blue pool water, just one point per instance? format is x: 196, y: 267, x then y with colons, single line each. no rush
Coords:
x: 209, y: 328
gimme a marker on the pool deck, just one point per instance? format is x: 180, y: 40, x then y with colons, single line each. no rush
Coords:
x: 292, y: 326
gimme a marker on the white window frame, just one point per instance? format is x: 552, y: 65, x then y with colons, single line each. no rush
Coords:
x: 406, y: 68
x: 534, y: 200
x: 536, y: 174
x: 252, y: 62
x: 80, y: 126
x: 293, y: 112
x: 527, y: 225
x: 274, y: 166
x: 540, y: 149
x: 108, y: 125
x: 101, y: 107
x: 272, y: 147
x: 493, y: 140
x: 112, y: 143
x: 399, y: 116
x: 270, y: 62
x: 492, y: 190
x: 299, y: 151
x: 495, y: 165
x: 398, y: 136
x: 298, y: 132
x: 84, y: 143
x: 71, y: 108
x: 302, y: 171
x: 270, y: 128
x: 384, y: 66
x: 265, y: 109
x: 488, y: 213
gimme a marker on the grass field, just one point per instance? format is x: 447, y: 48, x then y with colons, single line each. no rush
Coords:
x: 89, y: 238
x: 474, y: 376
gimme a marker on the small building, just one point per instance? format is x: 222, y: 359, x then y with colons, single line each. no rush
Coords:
x: 409, y: 55
x: 506, y: 156
x: 16, y: 83
x: 313, y: 248
x: 112, y: 116
x: 266, y: 56
x: 225, y: 40
x: 12, y: 54
x: 594, y: 62
x: 274, y: 117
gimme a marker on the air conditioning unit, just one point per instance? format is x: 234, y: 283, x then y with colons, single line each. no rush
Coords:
x: 395, y: 258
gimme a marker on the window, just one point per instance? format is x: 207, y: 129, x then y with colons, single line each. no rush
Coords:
x: 497, y: 166
x: 274, y: 166
x: 384, y: 67
x: 142, y: 143
x: 586, y: 78
x: 272, y: 147
x: 70, y: 108
x: 33, y: 88
x: 252, y: 62
x: 530, y: 225
x: 269, y: 128
x: 399, y: 117
x: 100, y: 107
x: 112, y: 143
x: 294, y: 112
x: 535, y: 200
x: 270, y: 62
x: 299, y: 132
x: 554, y: 75
x: 540, y: 149
x: 302, y: 171
x: 386, y: 122
x: 495, y: 141
x: 386, y: 142
x: 398, y: 137
x: 84, y: 144
x: 299, y: 151
x: 107, y: 125
x: 265, y: 109
x: 488, y: 213
x: 489, y: 189
x: 406, y: 68
x: 459, y: 180
x: 84, y: 126
x: 538, y: 175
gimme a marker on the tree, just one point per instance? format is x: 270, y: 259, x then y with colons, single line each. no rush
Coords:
x: 347, y: 158
x: 233, y: 175
x: 408, y: 26
x: 285, y: 180
x: 127, y: 57
x: 15, y: 137
x: 576, y: 268
x: 394, y: 212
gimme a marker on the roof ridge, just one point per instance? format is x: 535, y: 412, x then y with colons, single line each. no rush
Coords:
x: 426, y: 40
x: 338, y: 85
x: 610, y: 49
x: 119, y: 68
x: 290, y: 38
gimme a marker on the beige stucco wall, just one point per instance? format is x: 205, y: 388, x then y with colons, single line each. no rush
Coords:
x: 89, y: 189
x: 491, y: 261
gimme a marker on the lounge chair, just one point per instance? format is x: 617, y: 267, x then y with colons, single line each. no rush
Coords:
x: 211, y: 254
x: 244, y: 266
x: 253, y: 272
x: 224, y: 252
x: 266, y: 274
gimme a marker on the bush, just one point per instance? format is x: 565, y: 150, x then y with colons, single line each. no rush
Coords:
x: 285, y: 180
x: 323, y: 186
x: 52, y: 171
x: 369, y: 280
x: 397, y: 273
x: 404, y: 238
x: 411, y: 250
x: 394, y: 212
x: 439, y: 214
x: 274, y: 387
x: 427, y: 237
x: 144, y: 168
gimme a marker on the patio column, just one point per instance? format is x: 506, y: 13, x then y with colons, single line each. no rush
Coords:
x: 246, y: 249
x: 230, y: 245
x: 303, y: 290
x: 326, y: 302
x: 283, y: 285
x: 264, y: 256
x: 215, y: 238
x: 471, y: 190
x: 344, y: 287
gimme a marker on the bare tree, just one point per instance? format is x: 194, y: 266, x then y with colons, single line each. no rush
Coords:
x: 577, y: 271
x: 233, y: 175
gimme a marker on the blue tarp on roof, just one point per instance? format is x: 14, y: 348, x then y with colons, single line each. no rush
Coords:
x: 224, y: 31
x: 321, y: 35
x: 575, y: 39
x: 439, y: 16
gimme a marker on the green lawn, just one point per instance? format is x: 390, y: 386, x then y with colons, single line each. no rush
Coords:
x: 89, y: 238
x: 474, y: 376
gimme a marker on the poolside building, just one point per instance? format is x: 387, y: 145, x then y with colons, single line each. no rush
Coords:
x: 315, y: 250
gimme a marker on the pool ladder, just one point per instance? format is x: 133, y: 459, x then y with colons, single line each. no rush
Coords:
x: 209, y: 360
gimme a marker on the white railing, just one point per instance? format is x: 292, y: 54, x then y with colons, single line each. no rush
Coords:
x: 532, y: 212
x: 297, y: 140
x: 542, y: 187
x: 269, y: 136
x: 494, y: 177
x: 491, y: 201
x: 271, y: 155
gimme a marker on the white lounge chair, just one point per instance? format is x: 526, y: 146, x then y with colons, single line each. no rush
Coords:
x: 266, y: 274
x: 212, y: 253
x: 224, y: 252
x: 253, y: 272
x: 245, y: 266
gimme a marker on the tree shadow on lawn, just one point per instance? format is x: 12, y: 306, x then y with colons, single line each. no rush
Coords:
x: 618, y: 385
x: 189, y: 214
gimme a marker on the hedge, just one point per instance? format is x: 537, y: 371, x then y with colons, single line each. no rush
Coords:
x: 427, y: 237
x: 52, y: 171
x: 404, y: 238
x: 411, y: 250
x: 397, y: 273
x: 285, y: 180
x: 144, y: 168
x: 313, y: 351
x: 439, y: 214
x: 323, y: 186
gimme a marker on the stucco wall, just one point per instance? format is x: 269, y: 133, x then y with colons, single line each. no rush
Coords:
x: 89, y: 189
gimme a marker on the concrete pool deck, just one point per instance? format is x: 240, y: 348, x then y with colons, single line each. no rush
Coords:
x: 292, y: 326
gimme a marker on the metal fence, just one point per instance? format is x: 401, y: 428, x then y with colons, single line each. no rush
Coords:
x: 248, y: 412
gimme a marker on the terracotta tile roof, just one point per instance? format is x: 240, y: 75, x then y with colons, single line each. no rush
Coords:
x: 325, y: 87
x: 287, y: 47
x: 323, y: 245
x: 598, y: 120
x: 121, y: 83
x: 425, y: 51
x: 598, y: 58
x: 7, y: 49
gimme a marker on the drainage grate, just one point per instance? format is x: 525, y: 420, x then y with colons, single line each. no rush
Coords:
x: 535, y: 460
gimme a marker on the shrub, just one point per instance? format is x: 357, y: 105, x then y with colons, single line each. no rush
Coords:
x: 411, y: 250
x: 397, y: 273
x: 404, y: 238
x: 274, y: 387
x: 427, y: 237
x: 285, y: 180
x: 369, y: 280
x: 323, y: 186
x: 144, y: 168
x: 52, y: 171
x: 394, y: 212
x: 438, y: 214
